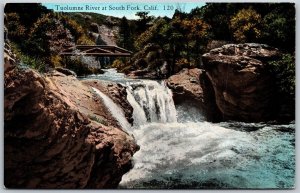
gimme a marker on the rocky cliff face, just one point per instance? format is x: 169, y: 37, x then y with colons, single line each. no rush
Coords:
x: 191, y: 86
x: 234, y: 84
x: 244, y: 90
x: 9, y: 57
x: 58, y: 134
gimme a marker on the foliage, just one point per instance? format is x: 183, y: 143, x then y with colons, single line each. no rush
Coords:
x: 34, y: 62
x: 279, y: 27
x: 155, y: 59
x: 182, y: 63
x: 85, y: 40
x: 80, y: 67
x: 118, y: 64
x: 196, y: 28
x: 284, y: 72
x: 37, y: 63
x: 15, y: 28
x: 28, y: 12
x: 56, y: 60
x: 76, y: 30
x: 197, y: 35
x: 178, y: 41
x: 276, y: 25
x: 150, y: 35
x: 217, y: 15
x: 179, y: 38
x: 99, y: 41
x: 98, y: 119
x: 246, y: 25
x: 143, y: 21
x: 79, y: 18
x: 48, y: 37
x: 125, y: 36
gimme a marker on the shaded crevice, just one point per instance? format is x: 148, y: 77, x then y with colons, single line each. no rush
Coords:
x: 212, y: 111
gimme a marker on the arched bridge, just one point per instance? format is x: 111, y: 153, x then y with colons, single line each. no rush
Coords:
x: 96, y: 50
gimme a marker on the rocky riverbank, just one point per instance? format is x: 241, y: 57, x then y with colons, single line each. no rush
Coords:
x: 58, y: 134
x: 244, y: 87
x: 234, y: 84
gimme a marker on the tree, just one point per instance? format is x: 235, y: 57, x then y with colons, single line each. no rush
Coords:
x: 16, y: 31
x: 279, y: 27
x: 125, y: 38
x: 151, y: 34
x: 143, y: 21
x: 246, y: 25
x: 28, y: 12
x: 284, y: 71
x: 47, y: 38
x: 218, y: 15
x: 197, y: 32
x: 76, y: 30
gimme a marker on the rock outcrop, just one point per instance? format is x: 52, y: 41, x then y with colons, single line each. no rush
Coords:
x: 116, y: 92
x: 143, y: 74
x: 244, y: 89
x: 58, y: 134
x: 186, y: 85
x: 66, y: 71
x: 192, y: 86
x: 9, y: 57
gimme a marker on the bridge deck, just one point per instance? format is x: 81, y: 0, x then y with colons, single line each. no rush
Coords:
x: 96, y: 50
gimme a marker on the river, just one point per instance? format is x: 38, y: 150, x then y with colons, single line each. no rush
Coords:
x: 180, y: 149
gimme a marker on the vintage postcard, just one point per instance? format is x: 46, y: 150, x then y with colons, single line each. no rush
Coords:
x: 149, y: 95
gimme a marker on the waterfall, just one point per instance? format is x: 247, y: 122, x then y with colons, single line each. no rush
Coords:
x: 114, y: 109
x: 138, y: 112
x: 179, y: 149
x: 151, y: 101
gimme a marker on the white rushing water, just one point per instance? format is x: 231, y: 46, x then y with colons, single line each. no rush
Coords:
x: 151, y: 102
x: 206, y: 155
x: 178, y: 149
x: 115, y: 110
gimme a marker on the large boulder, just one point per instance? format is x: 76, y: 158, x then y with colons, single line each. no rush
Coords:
x: 192, y: 87
x: 186, y: 85
x: 244, y: 89
x: 58, y: 134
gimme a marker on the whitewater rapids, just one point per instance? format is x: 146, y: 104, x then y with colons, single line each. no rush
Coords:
x: 179, y: 149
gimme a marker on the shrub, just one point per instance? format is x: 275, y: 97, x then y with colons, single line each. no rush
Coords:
x: 85, y: 40
x: 56, y: 60
x: 141, y: 63
x: 284, y: 73
x: 48, y: 36
x: 246, y: 25
x: 76, y: 30
x: 98, y: 119
x: 81, y: 67
x: 36, y: 63
x: 118, y: 64
x: 16, y: 31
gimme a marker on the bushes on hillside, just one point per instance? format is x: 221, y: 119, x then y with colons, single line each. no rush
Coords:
x: 43, y: 35
x: 246, y: 25
x: 48, y: 37
x: 283, y: 70
x: 15, y: 28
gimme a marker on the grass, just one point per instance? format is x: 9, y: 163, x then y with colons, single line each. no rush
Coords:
x: 98, y: 119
